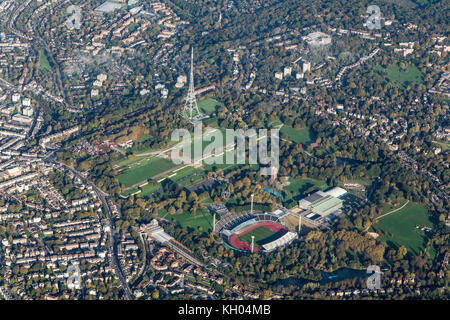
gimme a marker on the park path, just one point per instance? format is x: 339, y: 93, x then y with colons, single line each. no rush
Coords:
x: 393, y: 210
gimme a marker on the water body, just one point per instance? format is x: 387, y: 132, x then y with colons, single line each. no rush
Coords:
x: 274, y: 193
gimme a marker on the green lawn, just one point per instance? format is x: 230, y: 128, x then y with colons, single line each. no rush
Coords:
x: 296, y: 135
x: 302, y: 186
x: 392, y: 206
x: 44, y: 64
x: 443, y: 145
x: 399, y: 228
x: 402, y: 78
x: 186, y: 171
x: 144, y: 171
x: 202, y: 218
x: 148, y: 189
x: 127, y: 161
x: 209, y: 105
x: 262, y: 235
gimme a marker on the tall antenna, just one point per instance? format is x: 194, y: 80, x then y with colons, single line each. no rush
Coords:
x: 299, y: 223
x: 190, y: 110
x: 214, y: 222
x: 251, y: 205
x: 253, y: 243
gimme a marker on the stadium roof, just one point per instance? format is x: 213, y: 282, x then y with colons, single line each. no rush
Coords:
x: 336, y: 192
x: 327, y: 205
x: 321, y: 203
x: 285, y: 239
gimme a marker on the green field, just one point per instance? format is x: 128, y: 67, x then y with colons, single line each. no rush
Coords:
x: 443, y: 145
x: 127, y: 161
x: 201, y: 219
x: 144, y: 171
x: 296, y: 135
x: 209, y: 105
x: 402, y: 78
x: 186, y: 171
x: 180, y: 176
x: 44, y: 64
x: 148, y: 189
x: 262, y: 235
x: 392, y: 206
x: 399, y: 228
x: 302, y: 186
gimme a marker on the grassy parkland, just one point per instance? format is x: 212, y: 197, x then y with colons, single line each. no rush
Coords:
x: 302, y: 135
x: 403, y: 227
x: 401, y: 77
x: 201, y: 219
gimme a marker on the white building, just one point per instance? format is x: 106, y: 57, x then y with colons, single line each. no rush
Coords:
x: 26, y: 102
x: 22, y: 119
x: 306, y: 66
x: 287, y: 71
x: 318, y: 39
x: 279, y: 75
x: 181, y: 80
x: 15, y: 97
x: 102, y: 77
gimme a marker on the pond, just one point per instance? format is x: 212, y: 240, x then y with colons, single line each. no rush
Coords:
x: 274, y: 193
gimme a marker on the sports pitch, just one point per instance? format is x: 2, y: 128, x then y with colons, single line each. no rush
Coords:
x: 262, y: 235
x: 145, y: 171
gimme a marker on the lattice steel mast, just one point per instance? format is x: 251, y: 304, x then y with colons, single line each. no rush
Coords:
x: 190, y: 110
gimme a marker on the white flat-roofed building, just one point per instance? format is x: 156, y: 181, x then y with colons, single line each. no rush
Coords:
x: 306, y: 66
x: 27, y: 111
x: 318, y: 39
x: 26, y: 102
x: 287, y: 71
x: 22, y: 119
x: 15, y: 97
x: 322, y: 203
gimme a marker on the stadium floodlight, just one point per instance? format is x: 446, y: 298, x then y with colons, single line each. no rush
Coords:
x: 253, y: 243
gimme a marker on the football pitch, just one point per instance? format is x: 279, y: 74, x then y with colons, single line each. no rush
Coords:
x: 144, y: 171
x: 262, y: 235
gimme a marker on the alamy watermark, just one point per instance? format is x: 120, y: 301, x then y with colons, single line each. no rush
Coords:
x: 74, y: 276
x: 374, y: 280
x: 221, y: 147
x: 74, y: 21
x: 374, y: 20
